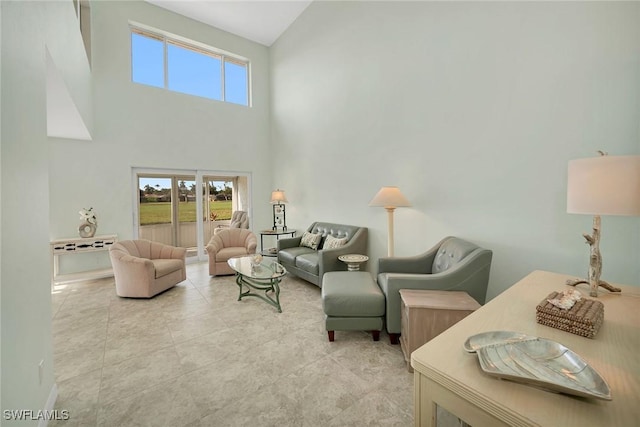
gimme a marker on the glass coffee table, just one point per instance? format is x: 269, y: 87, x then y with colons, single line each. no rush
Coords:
x: 256, y: 273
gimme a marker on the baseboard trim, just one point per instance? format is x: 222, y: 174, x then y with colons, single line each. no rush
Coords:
x: 51, y: 401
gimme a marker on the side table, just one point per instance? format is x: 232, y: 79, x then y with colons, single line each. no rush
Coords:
x: 425, y: 314
x: 353, y: 261
x: 277, y: 233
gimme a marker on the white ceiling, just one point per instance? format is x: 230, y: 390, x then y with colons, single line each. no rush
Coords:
x: 261, y: 21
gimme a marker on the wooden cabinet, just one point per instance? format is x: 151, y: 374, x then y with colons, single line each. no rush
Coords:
x: 426, y: 314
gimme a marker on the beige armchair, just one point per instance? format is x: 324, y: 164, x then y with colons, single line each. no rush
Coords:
x: 143, y: 268
x: 239, y: 219
x: 228, y: 243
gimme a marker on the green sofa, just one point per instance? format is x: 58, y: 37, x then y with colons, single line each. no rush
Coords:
x: 311, y: 264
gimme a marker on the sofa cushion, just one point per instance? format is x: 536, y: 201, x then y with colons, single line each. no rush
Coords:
x: 333, y: 242
x: 311, y: 240
x: 166, y: 266
x: 308, y: 262
x: 288, y: 256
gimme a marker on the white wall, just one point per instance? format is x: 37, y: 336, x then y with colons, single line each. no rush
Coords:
x: 1, y: 406
x: 473, y: 110
x: 26, y: 294
x: 147, y: 127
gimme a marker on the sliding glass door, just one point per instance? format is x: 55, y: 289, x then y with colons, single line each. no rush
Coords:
x: 219, y: 206
x: 171, y: 210
x: 186, y: 234
x: 167, y: 210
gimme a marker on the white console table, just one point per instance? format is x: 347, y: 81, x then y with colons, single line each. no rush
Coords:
x: 76, y: 245
x: 447, y: 376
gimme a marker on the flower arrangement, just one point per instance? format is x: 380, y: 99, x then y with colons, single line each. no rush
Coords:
x: 88, y: 215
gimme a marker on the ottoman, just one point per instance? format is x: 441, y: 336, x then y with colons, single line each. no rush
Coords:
x: 352, y: 301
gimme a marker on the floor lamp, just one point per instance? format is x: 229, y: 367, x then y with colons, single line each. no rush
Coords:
x: 605, y: 185
x: 389, y: 198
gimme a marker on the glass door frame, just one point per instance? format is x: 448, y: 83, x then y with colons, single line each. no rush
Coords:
x: 199, y: 175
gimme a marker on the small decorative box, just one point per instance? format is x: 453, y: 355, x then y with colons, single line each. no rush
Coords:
x: 584, y: 318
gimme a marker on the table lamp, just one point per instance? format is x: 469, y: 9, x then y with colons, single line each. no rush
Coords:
x: 278, y: 199
x: 389, y: 198
x: 605, y: 185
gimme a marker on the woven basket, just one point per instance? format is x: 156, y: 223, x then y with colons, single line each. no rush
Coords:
x: 584, y: 318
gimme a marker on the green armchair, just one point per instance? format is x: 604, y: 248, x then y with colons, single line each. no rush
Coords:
x: 452, y: 265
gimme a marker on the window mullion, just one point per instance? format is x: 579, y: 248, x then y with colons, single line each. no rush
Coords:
x: 248, y: 84
x: 222, y: 62
x: 166, y: 63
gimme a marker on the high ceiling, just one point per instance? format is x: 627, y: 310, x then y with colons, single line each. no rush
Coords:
x: 261, y: 21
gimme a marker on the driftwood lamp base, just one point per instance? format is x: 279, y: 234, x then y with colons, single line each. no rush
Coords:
x: 606, y: 285
x: 595, y: 263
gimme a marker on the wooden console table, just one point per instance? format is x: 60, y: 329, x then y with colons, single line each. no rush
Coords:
x: 78, y: 245
x: 447, y: 376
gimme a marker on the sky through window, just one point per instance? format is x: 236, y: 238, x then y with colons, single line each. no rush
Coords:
x: 189, y: 70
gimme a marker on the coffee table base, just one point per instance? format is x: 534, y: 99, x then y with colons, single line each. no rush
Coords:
x: 269, y: 285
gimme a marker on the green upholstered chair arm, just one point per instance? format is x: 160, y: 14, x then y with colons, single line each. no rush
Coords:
x: 418, y: 264
x: 290, y: 242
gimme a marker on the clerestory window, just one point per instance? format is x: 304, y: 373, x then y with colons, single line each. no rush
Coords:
x: 158, y: 59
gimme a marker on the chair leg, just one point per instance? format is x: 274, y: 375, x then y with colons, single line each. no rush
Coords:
x: 376, y: 335
x: 394, y: 338
x: 331, y: 335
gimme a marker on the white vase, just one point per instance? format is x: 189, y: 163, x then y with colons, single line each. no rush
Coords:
x: 87, y: 229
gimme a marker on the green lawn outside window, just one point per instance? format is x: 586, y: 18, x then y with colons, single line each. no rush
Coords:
x: 160, y: 212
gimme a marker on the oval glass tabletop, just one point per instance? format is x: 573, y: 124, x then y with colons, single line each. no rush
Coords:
x: 265, y: 269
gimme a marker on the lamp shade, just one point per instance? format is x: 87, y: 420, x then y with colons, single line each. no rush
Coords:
x: 278, y: 197
x: 389, y: 197
x: 606, y: 185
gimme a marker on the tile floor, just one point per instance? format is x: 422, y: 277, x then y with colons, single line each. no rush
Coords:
x: 195, y: 356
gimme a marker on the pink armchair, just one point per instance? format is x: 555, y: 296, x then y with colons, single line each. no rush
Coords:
x: 228, y: 243
x: 143, y: 268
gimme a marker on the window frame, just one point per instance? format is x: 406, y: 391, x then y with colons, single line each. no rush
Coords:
x: 195, y: 46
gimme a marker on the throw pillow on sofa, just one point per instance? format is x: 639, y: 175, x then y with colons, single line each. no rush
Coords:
x: 333, y: 242
x: 310, y: 240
